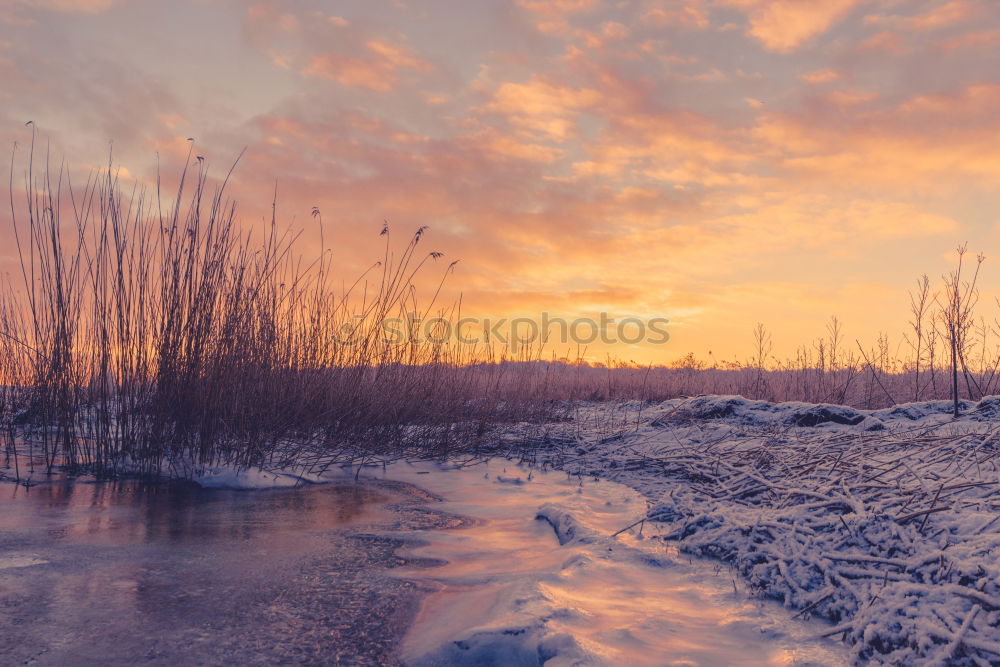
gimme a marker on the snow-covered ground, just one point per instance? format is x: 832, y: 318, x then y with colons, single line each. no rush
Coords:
x: 885, y: 523
x: 882, y: 527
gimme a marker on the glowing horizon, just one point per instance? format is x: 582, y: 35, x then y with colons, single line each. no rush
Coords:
x: 714, y: 162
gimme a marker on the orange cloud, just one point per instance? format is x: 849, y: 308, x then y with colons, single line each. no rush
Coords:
x: 557, y: 7
x: 843, y: 99
x: 971, y: 40
x: 933, y: 139
x: 377, y: 72
x: 541, y: 107
x: 685, y: 13
x: 978, y: 101
x: 784, y: 25
x: 614, y: 30
x: 70, y: 6
x: 506, y: 146
x: 788, y: 222
x: 940, y: 15
x: 395, y: 56
x: 943, y: 15
x: 821, y: 76
x: 886, y: 41
x: 678, y: 147
x: 553, y: 14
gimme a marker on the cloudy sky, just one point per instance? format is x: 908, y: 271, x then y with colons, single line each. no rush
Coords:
x: 715, y: 162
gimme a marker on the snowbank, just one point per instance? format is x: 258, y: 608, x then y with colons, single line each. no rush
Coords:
x: 567, y: 527
x: 515, y: 631
x: 231, y: 477
x: 886, y: 523
x: 736, y: 409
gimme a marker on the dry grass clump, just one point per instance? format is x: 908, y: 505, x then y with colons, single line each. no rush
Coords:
x: 888, y: 535
x: 145, y: 333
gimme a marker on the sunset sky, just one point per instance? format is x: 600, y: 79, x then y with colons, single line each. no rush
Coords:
x: 715, y: 162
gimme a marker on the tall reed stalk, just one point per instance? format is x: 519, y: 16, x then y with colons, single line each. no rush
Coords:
x: 151, y: 335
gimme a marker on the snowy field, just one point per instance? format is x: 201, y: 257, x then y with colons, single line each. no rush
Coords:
x: 884, y: 523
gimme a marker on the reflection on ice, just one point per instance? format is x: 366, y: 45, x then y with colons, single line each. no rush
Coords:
x: 121, y: 573
x: 511, y: 593
x: 134, y: 512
